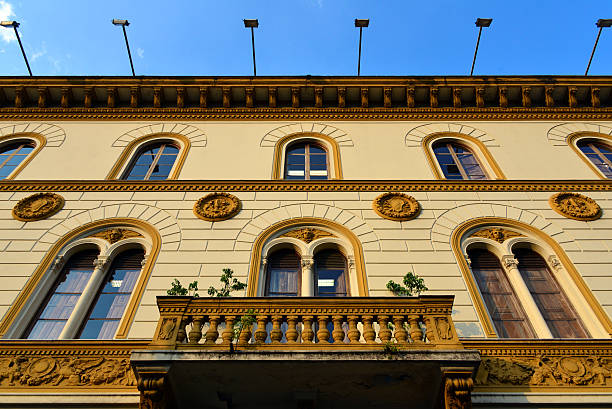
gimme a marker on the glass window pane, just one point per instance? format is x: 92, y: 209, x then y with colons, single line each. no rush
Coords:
x: 316, y: 149
x: 297, y: 149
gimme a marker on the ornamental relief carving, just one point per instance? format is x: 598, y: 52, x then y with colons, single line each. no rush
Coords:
x: 496, y: 234
x: 307, y: 234
x: 575, y: 206
x: 396, y: 206
x: 217, y: 206
x: 546, y: 371
x: 65, y: 371
x: 115, y: 235
x: 38, y: 206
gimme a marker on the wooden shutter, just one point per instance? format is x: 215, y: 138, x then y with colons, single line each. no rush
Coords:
x: 283, y: 275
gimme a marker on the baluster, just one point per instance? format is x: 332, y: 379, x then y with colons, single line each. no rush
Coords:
x: 338, y: 332
x: 400, y: 333
x: 368, y: 330
x: 384, y: 333
x: 181, y: 335
x: 276, y: 334
x: 429, y: 329
x: 291, y: 333
x: 245, y: 335
x: 213, y: 333
x: 195, y: 335
x: 416, y: 333
x: 307, y: 332
x: 228, y: 332
x: 323, y: 332
x: 353, y: 332
x: 261, y: 334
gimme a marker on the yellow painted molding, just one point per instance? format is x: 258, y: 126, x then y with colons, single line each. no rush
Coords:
x: 45, y: 264
x: 279, y: 150
x: 39, y: 141
x: 131, y: 149
x: 483, y: 152
x: 477, y: 301
x: 255, y: 265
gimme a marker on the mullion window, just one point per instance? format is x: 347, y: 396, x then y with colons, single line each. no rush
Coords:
x: 306, y: 162
x: 12, y: 156
x: 606, y: 167
x: 155, y: 162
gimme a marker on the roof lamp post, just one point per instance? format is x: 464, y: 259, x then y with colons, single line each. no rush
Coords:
x: 361, y: 23
x: 480, y: 22
x: 601, y: 23
x: 15, y: 24
x: 124, y: 24
x: 252, y: 23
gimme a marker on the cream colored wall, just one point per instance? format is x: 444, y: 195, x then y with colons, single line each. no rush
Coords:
x: 193, y: 249
x: 369, y: 150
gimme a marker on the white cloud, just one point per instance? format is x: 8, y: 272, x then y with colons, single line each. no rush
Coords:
x: 6, y: 11
x: 140, y: 52
x: 39, y: 53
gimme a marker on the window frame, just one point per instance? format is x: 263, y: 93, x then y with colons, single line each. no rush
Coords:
x: 450, y: 145
x: 38, y: 141
x: 161, y: 144
x: 574, y: 139
x: 330, y: 145
x: 307, y: 154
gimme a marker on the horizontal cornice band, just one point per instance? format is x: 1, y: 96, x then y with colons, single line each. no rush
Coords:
x: 327, y: 186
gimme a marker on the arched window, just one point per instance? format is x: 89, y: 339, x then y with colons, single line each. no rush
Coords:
x: 330, y: 274
x: 499, y: 297
x: 599, y: 154
x: 87, y: 300
x: 112, y: 298
x: 457, y: 161
x: 306, y: 161
x: 283, y: 277
x: 153, y: 162
x: 552, y: 302
x: 12, y: 155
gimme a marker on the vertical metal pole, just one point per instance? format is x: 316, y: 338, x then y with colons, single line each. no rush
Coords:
x: 359, y: 59
x: 476, y: 51
x: 253, y: 45
x: 22, y: 50
x: 593, y: 52
x: 128, y: 49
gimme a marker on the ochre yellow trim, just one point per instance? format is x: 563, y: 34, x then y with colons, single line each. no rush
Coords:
x: 40, y: 142
x: 128, y: 154
x: 481, y: 309
x: 279, y: 150
x: 483, y: 152
x: 45, y: 264
x: 572, y: 141
x: 253, y: 281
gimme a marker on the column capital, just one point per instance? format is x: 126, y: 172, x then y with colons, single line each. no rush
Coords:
x: 307, y: 262
x: 509, y: 261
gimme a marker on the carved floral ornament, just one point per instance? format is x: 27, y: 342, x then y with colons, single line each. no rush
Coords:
x: 497, y: 234
x: 217, y: 206
x: 546, y: 371
x: 575, y: 206
x: 115, y: 235
x: 307, y: 234
x: 396, y: 206
x: 38, y: 206
x: 23, y: 371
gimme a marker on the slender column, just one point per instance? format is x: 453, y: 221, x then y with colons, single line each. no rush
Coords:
x: 195, y: 335
x: 276, y: 335
x: 338, y: 332
x: 307, y: 277
x: 89, y: 293
x: 323, y: 332
x: 213, y: 333
x: 291, y: 334
x: 384, y: 333
x: 352, y: 272
x: 261, y: 334
x: 523, y: 294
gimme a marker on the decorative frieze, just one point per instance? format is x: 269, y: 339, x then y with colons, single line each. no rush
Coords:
x: 497, y: 234
x: 307, y: 234
x: 115, y: 235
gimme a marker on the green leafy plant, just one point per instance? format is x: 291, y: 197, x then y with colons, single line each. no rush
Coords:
x: 390, y: 348
x: 178, y: 289
x: 413, y: 285
x: 229, y: 284
x: 245, y: 322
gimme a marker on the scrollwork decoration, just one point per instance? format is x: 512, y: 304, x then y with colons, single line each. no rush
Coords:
x: 217, y: 207
x: 575, y: 206
x: 38, y: 206
x: 396, y: 206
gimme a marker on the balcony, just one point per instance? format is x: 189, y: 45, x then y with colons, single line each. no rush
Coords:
x: 305, y: 352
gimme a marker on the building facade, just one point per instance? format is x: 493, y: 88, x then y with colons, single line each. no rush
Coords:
x: 316, y: 192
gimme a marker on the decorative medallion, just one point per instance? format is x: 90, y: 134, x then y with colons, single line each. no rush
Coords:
x: 307, y: 234
x: 38, y: 206
x: 396, y: 206
x: 115, y: 235
x: 575, y: 206
x: 496, y: 233
x: 216, y: 207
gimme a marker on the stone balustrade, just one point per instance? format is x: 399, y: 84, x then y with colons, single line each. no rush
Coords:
x: 290, y: 323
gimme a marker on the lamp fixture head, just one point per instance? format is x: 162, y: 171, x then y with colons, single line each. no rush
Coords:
x: 119, y: 22
x: 9, y: 23
x: 362, y: 22
x: 604, y: 22
x: 251, y: 23
x: 483, y: 22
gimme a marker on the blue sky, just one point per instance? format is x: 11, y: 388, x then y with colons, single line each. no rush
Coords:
x: 299, y: 37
